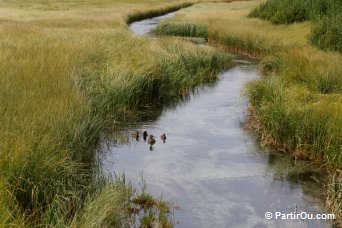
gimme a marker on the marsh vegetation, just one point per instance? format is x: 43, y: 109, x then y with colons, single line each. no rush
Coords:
x: 326, y: 16
x: 70, y: 69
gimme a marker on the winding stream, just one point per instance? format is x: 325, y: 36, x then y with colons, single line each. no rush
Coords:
x: 210, y: 166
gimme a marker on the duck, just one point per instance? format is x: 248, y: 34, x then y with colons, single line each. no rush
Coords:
x: 151, y: 141
x: 163, y: 137
x: 136, y: 135
x: 145, y: 135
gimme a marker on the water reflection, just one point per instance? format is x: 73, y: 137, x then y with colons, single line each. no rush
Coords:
x: 146, y: 26
x: 210, y: 166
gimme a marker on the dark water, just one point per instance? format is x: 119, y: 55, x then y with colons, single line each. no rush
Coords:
x: 209, y: 165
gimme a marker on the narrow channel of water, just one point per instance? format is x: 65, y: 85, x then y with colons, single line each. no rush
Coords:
x: 144, y: 27
x: 209, y: 165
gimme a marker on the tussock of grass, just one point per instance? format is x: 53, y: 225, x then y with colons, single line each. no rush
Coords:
x: 290, y: 11
x: 151, y: 71
x: 326, y: 14
x: 182, y: 29
x: 317, y: 71
x: 118, y: 204
x: 282, y: 12
x: 326, y: 32
x: 298, y: 120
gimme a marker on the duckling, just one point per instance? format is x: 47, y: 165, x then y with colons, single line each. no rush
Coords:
x: 145, y: 135
x: 163, y: 137
x: 136, y: 135
x: 151, y: 141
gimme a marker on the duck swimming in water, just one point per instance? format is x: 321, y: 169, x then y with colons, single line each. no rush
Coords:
x: 136, y: 135
x: 163, y: 137
x: 145, y: 135
x: 151, y: 141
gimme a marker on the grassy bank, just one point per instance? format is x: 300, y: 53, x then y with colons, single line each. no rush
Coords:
x: 326, y: 15
x: 67, y: 70
x: 296, y: 105
x: 188, y: 29
x: 146, y: 71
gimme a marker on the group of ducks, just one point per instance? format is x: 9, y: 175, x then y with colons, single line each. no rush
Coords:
x: 151, y: 139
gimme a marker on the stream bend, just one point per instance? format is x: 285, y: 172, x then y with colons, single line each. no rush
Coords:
x: 210, y: 166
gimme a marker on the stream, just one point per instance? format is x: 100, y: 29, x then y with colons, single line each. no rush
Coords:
x: 210, y: 166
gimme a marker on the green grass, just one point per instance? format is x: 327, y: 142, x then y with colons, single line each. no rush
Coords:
x: 290, y: 11
x: 282, y: 12
x: 149, y: 71
x: 298, y: 120
x: 326, y: 32
x: 182, y: 29
x: 326, y: 14
x: 47, y: 127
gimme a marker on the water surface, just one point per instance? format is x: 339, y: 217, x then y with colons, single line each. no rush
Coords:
x: 144, y: 27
